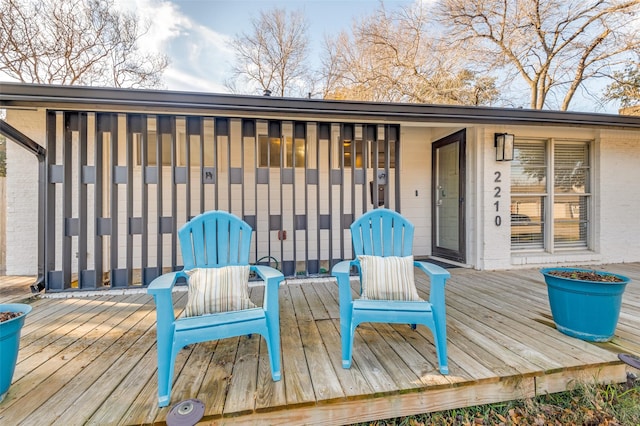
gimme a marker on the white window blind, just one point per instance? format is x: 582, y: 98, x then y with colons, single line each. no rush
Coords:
x: 571, y: 194
x: 550, y: 194
x: 528, y: 194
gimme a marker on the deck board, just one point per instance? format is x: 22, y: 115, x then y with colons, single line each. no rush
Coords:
x: 415, y: 361
x: 391, y: 363
x: 295, y: 371
x: 505, y: 317
x: 15, y: 288
x: 353, y: 383
x: 94, y: 362
x: 240, y: 394
x: 60, y: 373
x: 92, y: 359
x: 365, y: 360
x: 126, y: 352
x: 269, y: 394
x: 324, y: 380
x: 317, y: 308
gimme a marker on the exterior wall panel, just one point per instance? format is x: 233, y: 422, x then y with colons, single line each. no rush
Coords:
x: 125, y: 209
x: 121, y: 185
x: 618, y: 205
x: 22, y: 195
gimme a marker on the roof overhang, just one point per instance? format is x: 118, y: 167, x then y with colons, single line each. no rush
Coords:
x: 20, y: 95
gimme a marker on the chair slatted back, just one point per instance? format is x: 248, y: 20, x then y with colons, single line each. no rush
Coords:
x: 382, y: 232
x: 213, y: 239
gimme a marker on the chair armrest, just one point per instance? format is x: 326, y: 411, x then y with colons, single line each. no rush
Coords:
x: 272, y: 279
x: 267, y: 273
x: 432, y: 269
x: 342, y: 272
x: 161, y: 288
x: 343, y: 267
x: 165, y: 282
x: 438, y: 277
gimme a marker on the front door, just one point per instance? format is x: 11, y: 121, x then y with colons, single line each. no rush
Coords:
x: 448, y: 221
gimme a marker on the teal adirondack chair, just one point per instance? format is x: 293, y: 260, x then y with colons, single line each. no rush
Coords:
x: 212, y: 240
x: 384, y: 233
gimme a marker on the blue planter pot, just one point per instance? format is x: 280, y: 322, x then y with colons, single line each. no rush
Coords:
x: 588, y: 310
x: 10, y: 343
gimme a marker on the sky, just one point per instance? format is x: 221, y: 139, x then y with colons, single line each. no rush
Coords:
x: 197, y: 35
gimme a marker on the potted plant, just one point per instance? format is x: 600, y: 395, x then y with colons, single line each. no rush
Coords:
x: 12, y: 316
x: 585, y: 303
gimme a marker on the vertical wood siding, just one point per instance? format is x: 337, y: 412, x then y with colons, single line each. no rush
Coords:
x: 119, y: 186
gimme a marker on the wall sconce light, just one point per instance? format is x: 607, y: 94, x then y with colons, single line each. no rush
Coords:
x: 504, y: 146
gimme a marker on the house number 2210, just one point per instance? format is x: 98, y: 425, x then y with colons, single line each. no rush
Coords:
x: 496, y: 195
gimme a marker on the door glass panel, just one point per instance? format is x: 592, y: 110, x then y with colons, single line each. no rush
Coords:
x: 447, y: 196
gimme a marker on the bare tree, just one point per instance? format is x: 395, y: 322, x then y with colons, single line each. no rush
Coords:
x: 273, y: 55
x: 75, y: 42
x: 625, y: 87
x: 555, y: 46
x: 392, y: 56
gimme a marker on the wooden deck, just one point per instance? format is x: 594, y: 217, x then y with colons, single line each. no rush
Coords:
x: 92, y: 359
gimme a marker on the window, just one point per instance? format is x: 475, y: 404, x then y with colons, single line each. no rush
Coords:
x: 550, y: 194
x: 152, y: 150
x: 194, y: 151
x: 348, y: 153
x: 295, y: 152
x: 272, y: 151
x: 347, y: 146
x: 269, y: 151
x: 571, y: 195
x: 382, y: 156
x: 181, y: 158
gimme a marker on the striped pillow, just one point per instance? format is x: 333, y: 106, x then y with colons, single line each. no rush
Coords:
x: 388, y: 278
x: 218, y: 290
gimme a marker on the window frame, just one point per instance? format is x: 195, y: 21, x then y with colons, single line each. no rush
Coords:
x: 550, y: 197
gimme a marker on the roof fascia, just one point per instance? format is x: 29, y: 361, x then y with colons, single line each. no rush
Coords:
x: 143, y: 100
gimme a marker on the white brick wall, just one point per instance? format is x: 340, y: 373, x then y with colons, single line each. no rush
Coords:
x: 494, y: 178
x: 619, y: 196
x: 22, y: 195
x: 3, y: 224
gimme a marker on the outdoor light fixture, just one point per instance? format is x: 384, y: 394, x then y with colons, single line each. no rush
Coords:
x: 504, y: 146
